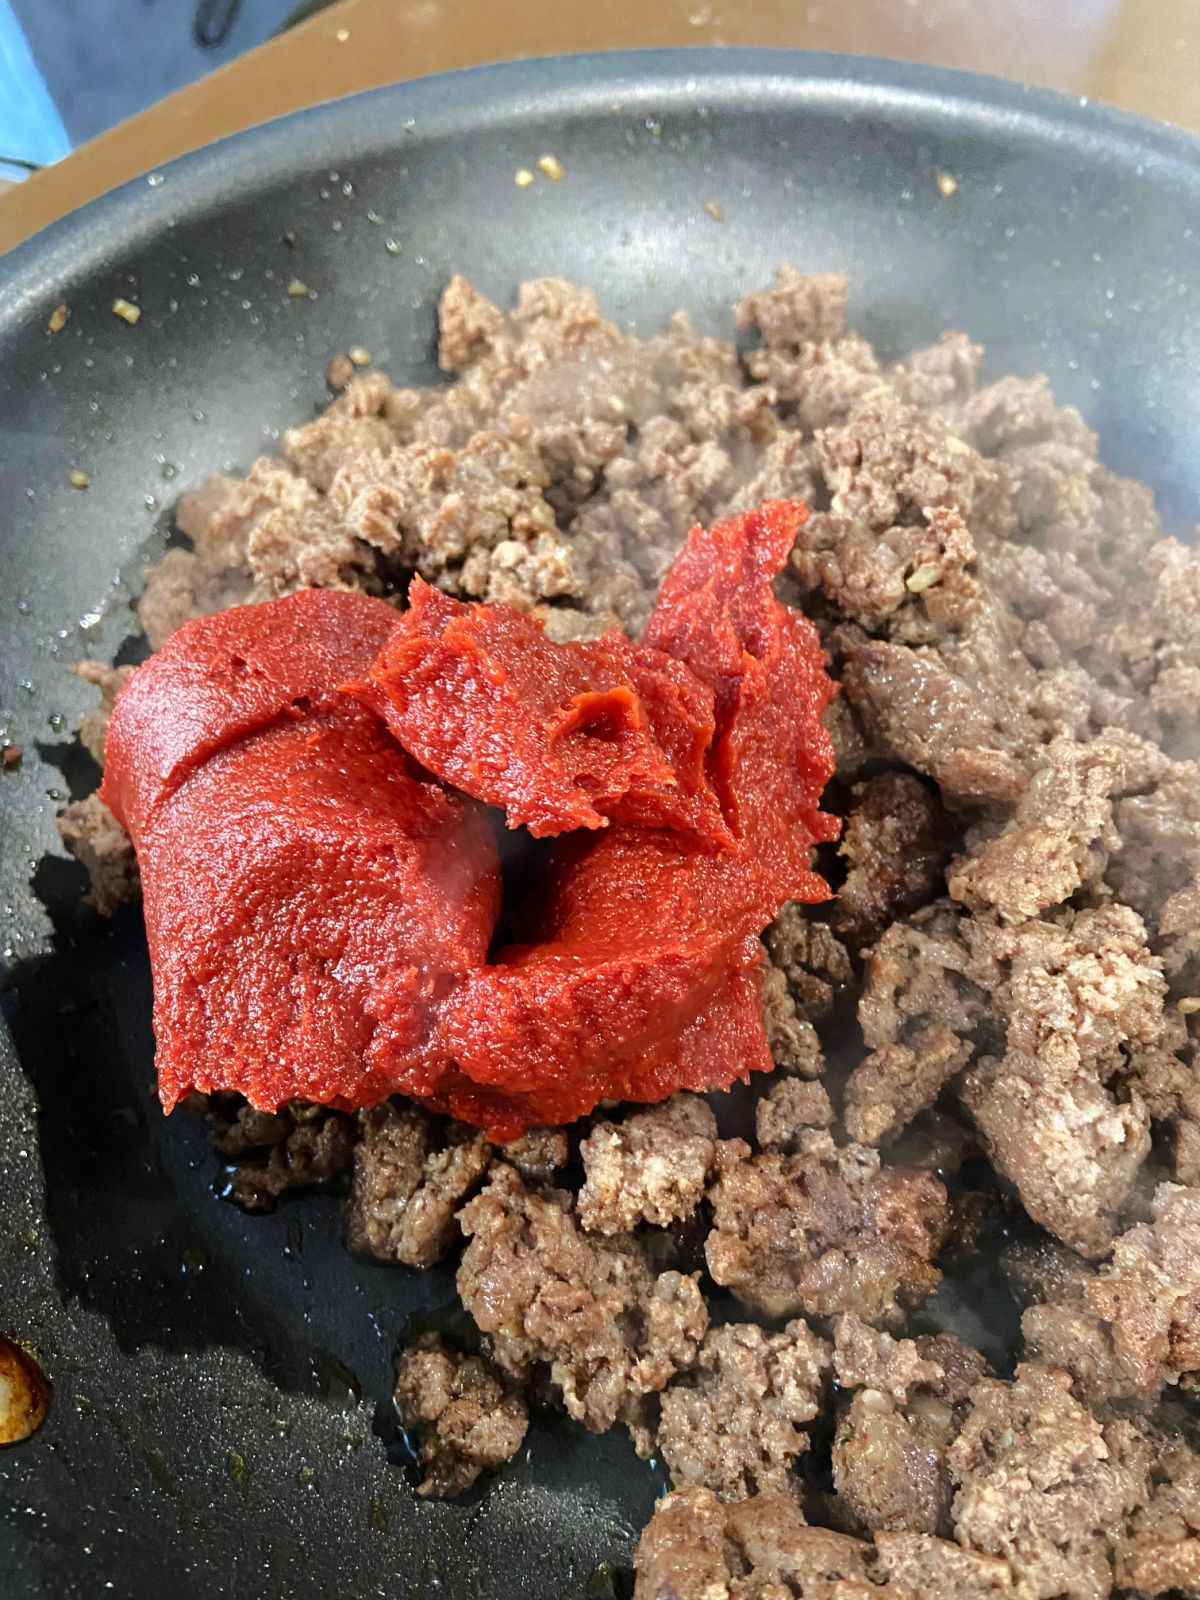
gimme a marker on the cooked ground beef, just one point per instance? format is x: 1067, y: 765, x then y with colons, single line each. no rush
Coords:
x: 1017, y: 922
x: 652, y: 1167
x: 787, y: 1108
x: 589, y: 1310
x: 1073, y: 993
x: 1133, y: 1327
x: 890, y: 1467
x: 732, y: 1422
x: 696, y: 1548
x: 1160, y: 1553
x: 94, y: 725
x: 538, y: 1154
x: 897, y: 840
x: 97, y: 840
x: 918, y: 1012
x: 1041, y: 1484
x: 411, y: 1176
x: 826, y: 1230
x: 815, y: 964
x: 465, y: 1417
x: 301, y: 1147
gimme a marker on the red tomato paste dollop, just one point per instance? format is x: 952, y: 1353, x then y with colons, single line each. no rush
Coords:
x: 311, y: 785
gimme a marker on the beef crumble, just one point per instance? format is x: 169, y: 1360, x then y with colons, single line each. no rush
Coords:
x: 826, y: 1230
x: 1133, y: 1327
x: 1017, y: 924
x: 466, y: 1419
x: 652, y: 1167
x: 897, y: 840
x: 301, y: 1146
x: 733, y: 1422
x: 588, y: 1310
x: 411, y: 1176
x: 907, y: 1402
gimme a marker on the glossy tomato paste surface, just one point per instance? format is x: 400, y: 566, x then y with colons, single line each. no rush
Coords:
x: 315, y: 787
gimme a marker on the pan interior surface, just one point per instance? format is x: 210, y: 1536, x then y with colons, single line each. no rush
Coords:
x: 222, y: 1422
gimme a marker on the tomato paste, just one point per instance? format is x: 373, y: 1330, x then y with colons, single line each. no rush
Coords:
x: 310, y: 894
x: 312, y: 785
x: 636, y: 970
x: 560, y: 736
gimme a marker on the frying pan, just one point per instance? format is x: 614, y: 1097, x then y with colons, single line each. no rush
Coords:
x: 221, y: 1423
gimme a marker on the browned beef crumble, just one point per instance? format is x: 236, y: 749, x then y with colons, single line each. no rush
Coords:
x: 815, y: 964
x: 652, y: 1167
x: 897, y: 840
x: 907, y: 1400
x: 917, y: 1010
x: 93, y: 728
x: 823, y: 1231
x: 1074, y: 993
x: 466, y: 1418
x: 1041, y: 1483
x: 1016, y: 918
x: 734, y: 1421
x: 538, y: 1155
x: 302, y: 1146
x: 698, y: 1548
x: 411, y: 1177
x: 1131, y: 1328
x: 589, y: 1310
x: 97, y: 840
x: 1160, y: 1551
x: 786, y: 1109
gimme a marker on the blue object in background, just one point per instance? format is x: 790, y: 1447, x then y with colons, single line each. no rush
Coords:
x: 31, y: 130
x: 104, y: 60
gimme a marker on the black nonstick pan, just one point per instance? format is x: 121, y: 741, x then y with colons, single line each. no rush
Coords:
x: 221, y: 1423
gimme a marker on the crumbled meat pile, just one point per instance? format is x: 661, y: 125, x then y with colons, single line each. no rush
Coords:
x: 1016, y: 922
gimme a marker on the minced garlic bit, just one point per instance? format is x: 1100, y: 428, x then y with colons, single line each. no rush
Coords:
x: 523, y: 177
x: 922, y: 578
x: 58, y: 319
x: 947, y: 183
x: 360, y: 356
x: 77, y: 479
x: 551, y: 166
x: 714, y: 210
x: 297, y: 287
x: 342, y: 35
x: 126, y: 310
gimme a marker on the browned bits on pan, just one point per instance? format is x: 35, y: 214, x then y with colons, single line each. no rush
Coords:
x: 58, y: 319
x: 24, y: 1391
x: 10, y: 757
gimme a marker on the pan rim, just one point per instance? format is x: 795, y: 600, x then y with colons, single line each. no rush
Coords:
x: 364, y: 125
